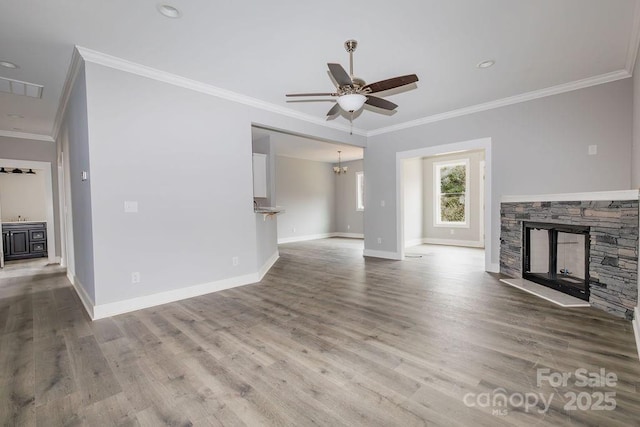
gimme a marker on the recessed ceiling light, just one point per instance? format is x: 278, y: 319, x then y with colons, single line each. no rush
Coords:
x: 15, y: 116
x: 7, y: 64
x: 169, y: 11
x: 486, y: 64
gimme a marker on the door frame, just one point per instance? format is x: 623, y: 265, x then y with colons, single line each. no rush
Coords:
x: 45, y: 167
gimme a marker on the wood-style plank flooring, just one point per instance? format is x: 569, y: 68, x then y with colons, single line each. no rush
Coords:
x: 327, y: 338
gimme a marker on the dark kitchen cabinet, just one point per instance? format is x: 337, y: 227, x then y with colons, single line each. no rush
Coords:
x: 24, y: 240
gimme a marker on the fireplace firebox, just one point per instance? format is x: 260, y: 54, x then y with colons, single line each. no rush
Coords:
x: 557, y: 256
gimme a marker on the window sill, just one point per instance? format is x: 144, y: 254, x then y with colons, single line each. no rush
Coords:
x: 451, y: 225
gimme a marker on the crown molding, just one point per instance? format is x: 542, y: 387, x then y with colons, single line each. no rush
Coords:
x: 72, y: 73
x: 89, y: 55
x: 524, y: 97
x: 24, y: 135
x: 634, y: 42
x: 176, y: 80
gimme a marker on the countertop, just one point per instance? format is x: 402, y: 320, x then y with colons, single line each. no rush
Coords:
x: 22, y: 222
x: 269, y: 209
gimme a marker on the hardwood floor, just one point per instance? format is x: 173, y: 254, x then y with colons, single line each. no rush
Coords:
x: 327, y: 338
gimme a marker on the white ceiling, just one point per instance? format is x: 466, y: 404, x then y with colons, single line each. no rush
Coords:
x: 300, y: 147
x: 266, y: 49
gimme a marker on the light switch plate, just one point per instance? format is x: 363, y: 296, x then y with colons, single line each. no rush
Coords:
x: 131, y: 207
x: 593, y: 150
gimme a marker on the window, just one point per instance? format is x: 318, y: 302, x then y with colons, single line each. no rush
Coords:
x: 359, y: 191
x: 451, y: 191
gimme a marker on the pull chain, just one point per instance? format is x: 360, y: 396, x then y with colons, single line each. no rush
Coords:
x: 351, y: 122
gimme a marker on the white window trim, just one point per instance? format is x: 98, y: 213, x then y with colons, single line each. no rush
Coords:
x: 436, y: 194
x: 358, y: 175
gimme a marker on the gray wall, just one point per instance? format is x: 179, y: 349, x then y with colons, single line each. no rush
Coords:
x: 413, y: 198
x: 467, y: 235
x: 37, y: 151
x: 635, y: 157
x: 187, y: 162
x: 635, y: 153
x: 306, y: 190
x: 185, y: 157
x: 538, y: 147
x: 348, y: 218
x: 75, y: 131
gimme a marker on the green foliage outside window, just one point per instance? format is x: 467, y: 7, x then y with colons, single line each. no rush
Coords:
x: 453, y: 181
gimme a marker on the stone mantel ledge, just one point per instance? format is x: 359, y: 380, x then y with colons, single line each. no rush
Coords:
x: 575, y: 197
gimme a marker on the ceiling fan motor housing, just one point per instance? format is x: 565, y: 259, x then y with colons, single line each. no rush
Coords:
x: 350, y: 45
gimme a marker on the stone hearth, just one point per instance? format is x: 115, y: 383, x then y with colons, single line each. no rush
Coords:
x: 613, y: 257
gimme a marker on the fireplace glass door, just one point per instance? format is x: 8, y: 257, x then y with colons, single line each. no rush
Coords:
x: 557, y: 256
x: 570, y: 265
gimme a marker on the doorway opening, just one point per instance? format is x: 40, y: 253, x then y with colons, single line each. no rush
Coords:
x: 444, y: 198
x: 318, y: 183
x: 27, y: 218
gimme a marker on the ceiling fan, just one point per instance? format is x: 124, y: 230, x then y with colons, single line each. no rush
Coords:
x: 353, y: 92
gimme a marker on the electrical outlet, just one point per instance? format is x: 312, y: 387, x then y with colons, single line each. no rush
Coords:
x: 293, y: 229
x: 348, y: 227
x: 379, y: 240
x: 235, y: 261
x: 452, y: 231
x: 135, y: 277
x: 593, y: 150
x: 382, y: 203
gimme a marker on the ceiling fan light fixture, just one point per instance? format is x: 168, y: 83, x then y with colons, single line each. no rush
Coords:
x: 352, y: 102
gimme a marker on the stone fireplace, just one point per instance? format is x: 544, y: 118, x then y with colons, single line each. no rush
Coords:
x: 585, y: 245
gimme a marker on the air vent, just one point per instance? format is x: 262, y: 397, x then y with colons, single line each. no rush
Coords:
x: 17, y: 87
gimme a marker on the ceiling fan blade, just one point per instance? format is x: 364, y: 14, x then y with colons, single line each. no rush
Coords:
x: 334, y: 110
x: 380, y: 103
x: 391, y: 83
x: 340, y: 75
x: 312, y: 94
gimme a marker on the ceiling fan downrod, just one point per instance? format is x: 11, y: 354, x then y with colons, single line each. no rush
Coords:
x: 350, y: 46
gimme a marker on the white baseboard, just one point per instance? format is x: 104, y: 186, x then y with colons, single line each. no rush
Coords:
x: 413, y: 242
x: 267, y: 265
x: 382, y: 254
x: 119, y: 307
x: 348, y: 235
x: 636, y: 327
x: 304, y: 238
x: 101, y: 311
x: 453, y: 242
x: 320, y: 236
x: 494, y: 268
x: 87, y: 302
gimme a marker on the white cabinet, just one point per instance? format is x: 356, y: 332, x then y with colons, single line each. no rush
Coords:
x: 259, y: 175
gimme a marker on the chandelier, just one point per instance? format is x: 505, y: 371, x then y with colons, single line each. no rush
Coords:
x: 339, y: 169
